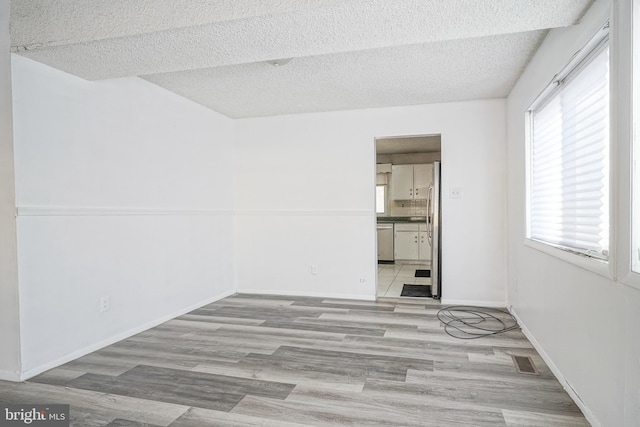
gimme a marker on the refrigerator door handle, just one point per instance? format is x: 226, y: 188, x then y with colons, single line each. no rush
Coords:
x: 430, y: 214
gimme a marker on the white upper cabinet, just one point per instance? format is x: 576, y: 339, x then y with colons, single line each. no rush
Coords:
x: 402, y: 182
x: 410, y: 182
x: 422, y: 177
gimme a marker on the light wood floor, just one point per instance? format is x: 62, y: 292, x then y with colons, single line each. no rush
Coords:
x: 251, y: 360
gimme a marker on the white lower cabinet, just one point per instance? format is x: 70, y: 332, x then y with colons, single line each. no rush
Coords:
x: 411, y: 242
x: 424, y: 248
x: 406, y: 245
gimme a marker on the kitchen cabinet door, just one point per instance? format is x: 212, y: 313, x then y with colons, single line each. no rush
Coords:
x: 422, y: 177
x: 424, y: 249
x: 406, y: 245
x: 402, y: 182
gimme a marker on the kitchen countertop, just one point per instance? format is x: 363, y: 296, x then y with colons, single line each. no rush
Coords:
x: 407, y: 219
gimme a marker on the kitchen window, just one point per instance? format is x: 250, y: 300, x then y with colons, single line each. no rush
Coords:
x: 381, y: 200
x: 568, y: 157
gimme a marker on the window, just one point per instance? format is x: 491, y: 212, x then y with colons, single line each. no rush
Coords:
x: 568, y: 188
x: 635, y: 183
x: 380, y: 198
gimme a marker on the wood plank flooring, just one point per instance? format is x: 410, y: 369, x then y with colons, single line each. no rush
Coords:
x: 252, y: 360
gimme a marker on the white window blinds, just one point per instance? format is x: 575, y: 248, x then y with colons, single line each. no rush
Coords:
x: 569, y: 169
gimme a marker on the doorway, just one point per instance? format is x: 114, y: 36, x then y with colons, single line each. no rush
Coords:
x: 404, y: 191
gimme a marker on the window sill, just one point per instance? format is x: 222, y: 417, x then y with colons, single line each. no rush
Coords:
x: 632, y: 279
x: 602, y: 268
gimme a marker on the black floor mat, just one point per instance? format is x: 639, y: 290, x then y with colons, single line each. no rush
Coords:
x: 421, y: 291
x: 423, y: 273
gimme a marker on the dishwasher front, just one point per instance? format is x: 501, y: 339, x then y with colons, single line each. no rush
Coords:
x: 385, y: 242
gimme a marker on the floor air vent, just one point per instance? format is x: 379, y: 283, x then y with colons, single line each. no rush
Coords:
x: 524, y: 365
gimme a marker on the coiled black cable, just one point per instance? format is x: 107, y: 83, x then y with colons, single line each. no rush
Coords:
x: 468, y: 322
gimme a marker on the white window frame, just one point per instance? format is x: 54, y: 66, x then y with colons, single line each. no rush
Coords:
x: 601, y: 267
x: 635, y: 142
x: 628, y: 19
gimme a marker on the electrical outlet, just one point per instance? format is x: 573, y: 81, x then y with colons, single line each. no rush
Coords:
x: 455, y: 193
x: 314, y: 270
x: 105, y: 304
x: 362, y: 280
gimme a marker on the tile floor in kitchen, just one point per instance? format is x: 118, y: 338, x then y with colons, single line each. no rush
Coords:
x: 391, y: 278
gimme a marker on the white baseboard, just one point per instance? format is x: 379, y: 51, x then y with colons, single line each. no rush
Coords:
x: 10, y: 376
x: 495, y: 304
x: 307, y: 294
x: 118, y: 337
x: 556, y: 372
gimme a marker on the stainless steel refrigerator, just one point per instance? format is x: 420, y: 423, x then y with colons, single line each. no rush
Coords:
x: 434, y: 231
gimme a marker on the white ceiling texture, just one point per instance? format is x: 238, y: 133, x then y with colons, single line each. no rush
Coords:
x: 346, y: 54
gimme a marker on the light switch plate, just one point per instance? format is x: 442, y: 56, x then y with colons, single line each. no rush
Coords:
x: 455, y: 193
x: 105, y: 304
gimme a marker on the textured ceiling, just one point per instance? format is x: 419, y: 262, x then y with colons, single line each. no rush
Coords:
x: 346, y: 54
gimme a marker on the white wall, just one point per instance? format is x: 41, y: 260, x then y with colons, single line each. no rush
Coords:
x: 586, y: 325
x: 9, y: 308
x: 305, y: 196
x: 124, y: 190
